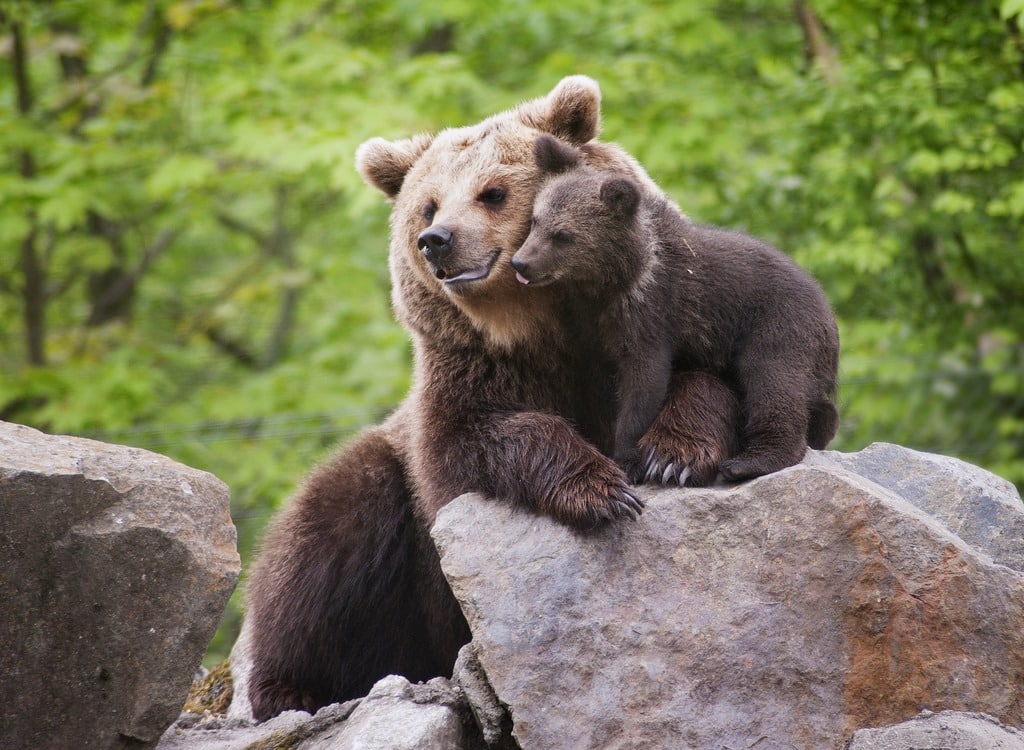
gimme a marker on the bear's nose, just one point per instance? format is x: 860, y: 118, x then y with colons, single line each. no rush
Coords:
x: 520, y: 265
x: 436, y: 243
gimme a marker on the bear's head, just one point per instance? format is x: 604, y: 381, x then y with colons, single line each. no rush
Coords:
x: 584, y: 228
x: 462, y: 201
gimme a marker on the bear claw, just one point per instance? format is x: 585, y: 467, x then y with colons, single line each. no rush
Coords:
x: 630, y: 505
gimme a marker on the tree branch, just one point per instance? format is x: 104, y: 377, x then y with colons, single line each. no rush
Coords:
x: 122, y: 287
x: 1013, y: 29
x: 817, y: 50
x: 161, y: 41
x: 230, y: 347
x: 237, y: 225
x: 281, y: 247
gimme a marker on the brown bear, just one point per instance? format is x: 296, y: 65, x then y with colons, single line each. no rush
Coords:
x: 668, y: 294
x: 505, y: 401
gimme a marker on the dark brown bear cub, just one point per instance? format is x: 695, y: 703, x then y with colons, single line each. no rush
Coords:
x: 668, y: 295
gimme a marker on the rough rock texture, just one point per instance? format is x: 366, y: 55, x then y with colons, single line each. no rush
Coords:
x: 241, y: 667
x: 948, y: 730
x: 115, y: 567
x: 490, y: 716
x: 981, y: 508
x: 789, y: 611
x: 286, y: 730
x: 396, y: 715
x: 391, y: 718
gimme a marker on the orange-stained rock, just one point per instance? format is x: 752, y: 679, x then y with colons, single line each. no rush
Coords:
x: 786, y: 612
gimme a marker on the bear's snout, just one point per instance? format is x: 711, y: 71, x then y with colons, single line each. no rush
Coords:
x: 521, y: 265
x: 436, y: 244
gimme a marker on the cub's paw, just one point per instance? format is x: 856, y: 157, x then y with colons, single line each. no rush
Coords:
x: 695, y: 431
x: 594, y: 495
x: 680, y: 463
x: 751, y: 464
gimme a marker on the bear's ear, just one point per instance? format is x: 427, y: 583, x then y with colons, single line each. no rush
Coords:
x: 384, y: 164
x: 553, y: 156
x: 571, y: 111
x: 621, y: 195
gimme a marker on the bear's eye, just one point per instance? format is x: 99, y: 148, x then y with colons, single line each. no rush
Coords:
x: 493, y: 196
x: 562, y: 237
x: 428, y: 211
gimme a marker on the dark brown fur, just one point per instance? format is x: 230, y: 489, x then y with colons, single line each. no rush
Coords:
x: 696, y: 429
x: 667, y: 294
x: 505, y: 401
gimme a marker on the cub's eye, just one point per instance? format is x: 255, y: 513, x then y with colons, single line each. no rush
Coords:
x: 493, y: 196
x: 428, y: 211
x: 562, y: 237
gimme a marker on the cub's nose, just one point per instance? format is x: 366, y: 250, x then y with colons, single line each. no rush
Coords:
x: 436, y: 243
x: 522, y: 269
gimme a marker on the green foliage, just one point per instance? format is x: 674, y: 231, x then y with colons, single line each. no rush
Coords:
x: 189, y: 262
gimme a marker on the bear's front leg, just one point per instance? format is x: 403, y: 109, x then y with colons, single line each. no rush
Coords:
x: 533, y: 459
x: 560, y: 474
x: 695, y: 431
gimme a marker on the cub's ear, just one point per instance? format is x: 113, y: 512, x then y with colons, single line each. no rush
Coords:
x: 384, y: 164
x: 621, y: 195
x: 571, y: 111
x: 553, y: 156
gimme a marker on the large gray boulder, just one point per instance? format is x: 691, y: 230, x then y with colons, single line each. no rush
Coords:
x: 786, y: 612
x: 115, y: 567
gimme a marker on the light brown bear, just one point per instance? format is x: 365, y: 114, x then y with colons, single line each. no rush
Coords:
x: 506, y: 400
x: 665, y: 293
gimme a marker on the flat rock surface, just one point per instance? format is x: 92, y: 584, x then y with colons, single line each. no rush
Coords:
x: 786, y: 612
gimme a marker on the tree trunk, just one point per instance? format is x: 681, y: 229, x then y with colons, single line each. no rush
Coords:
x: 33, y: 290
x: 817, y: 50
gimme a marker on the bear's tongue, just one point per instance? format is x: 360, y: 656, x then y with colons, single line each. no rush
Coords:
x: 475, y: 274
x: 521, y: 279
x: 471, y: 275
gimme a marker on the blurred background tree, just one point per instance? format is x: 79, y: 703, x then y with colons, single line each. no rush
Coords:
x: 190, y: 264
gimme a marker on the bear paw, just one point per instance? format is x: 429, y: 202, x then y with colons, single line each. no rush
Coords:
x: 695, y: 431
x: 597, y: 495
x: 664, y: 462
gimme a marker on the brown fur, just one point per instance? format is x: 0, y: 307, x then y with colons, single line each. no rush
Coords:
x: 696, y: 429
x: 505, y: 401
x: 665, y: 293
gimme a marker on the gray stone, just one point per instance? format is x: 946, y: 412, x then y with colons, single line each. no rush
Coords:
x: 981, y: 508
x: 286, y: 730
x: 115, y: 567
x: 947, y: 730
x: 490, y: 716
x: 241, y: 667
x: 786, y: 612
x: 395, y: 715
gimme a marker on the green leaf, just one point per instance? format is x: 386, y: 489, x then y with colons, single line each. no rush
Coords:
x: 1010, y: 8
x: 180, y: 172
x: 953, y: 202
x: 66, y: 208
